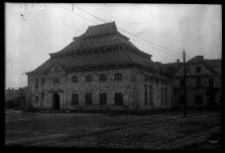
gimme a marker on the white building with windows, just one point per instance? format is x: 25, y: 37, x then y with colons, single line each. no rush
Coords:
x: 101, y: 69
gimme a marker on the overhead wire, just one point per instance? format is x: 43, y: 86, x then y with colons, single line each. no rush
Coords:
x: 149, y: 43
x: 129, y: 32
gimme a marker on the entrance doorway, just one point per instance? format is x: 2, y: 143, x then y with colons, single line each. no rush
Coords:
x: 56, y: 101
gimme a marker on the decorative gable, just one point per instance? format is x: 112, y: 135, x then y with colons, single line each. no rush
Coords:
x: 56, y: 68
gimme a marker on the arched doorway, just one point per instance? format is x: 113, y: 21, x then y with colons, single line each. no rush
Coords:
x: 56, y: 101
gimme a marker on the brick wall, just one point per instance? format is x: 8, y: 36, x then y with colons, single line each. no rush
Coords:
x: 131, y: 86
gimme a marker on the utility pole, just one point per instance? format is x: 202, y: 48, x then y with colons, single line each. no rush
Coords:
x: 185, y: 85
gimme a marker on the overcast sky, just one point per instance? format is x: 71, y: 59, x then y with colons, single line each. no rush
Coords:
x: 35, y: 30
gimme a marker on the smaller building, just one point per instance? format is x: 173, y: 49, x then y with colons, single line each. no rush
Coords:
x: 203, y: 80
x: 15, y: 98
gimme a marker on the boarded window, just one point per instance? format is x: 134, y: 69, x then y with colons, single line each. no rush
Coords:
x: 118, y: 99
x: 102, y: 77
x: 146, y: 95
x: 74, y: 79
x: 88, y: 78
x: 118, y: 76
x: 102, y: 98
x: 75, y: 99
x: 56, y: 80
x: 88, y: 99
x: 198, y: 83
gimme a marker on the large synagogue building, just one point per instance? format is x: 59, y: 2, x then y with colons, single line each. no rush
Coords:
x: 100, y: 69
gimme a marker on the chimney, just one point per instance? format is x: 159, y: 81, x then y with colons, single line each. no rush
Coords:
x: 178, y: 61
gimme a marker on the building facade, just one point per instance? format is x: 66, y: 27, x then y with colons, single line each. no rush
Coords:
x: 203, y: 82
x: 101, y: 69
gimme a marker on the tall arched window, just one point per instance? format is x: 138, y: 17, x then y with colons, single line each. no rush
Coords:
x: 56, y: 80
x: 74, y: 79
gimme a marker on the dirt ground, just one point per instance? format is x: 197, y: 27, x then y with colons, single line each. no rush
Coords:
x: 163, y: 131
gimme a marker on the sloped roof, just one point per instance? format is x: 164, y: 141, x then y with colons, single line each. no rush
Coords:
x: 88, y: 61
x: 214, y: 65
x: 169, y: 69
x: 196, y: 59
x: 100, y: 30
x: 95, y: 42
x: 213, y: 62
x: 96, y: 37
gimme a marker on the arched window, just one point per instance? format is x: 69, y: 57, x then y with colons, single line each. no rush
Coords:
x: 74, y: 79
x: 118, y: 98
x: 88, y: 78
x: 102, y: 77
x: 56, y: 80
x: 118, y: 76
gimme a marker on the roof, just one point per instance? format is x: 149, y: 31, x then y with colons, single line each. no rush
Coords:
x: 101, y: 29
x: 98, y: 36
x: 72, y: 63
x: 95, y: 42
x: 214, y: 65
x: 196, y: 59
x: 169, y: 69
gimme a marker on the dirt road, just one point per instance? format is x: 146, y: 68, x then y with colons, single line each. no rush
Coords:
x: 164, y: 131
